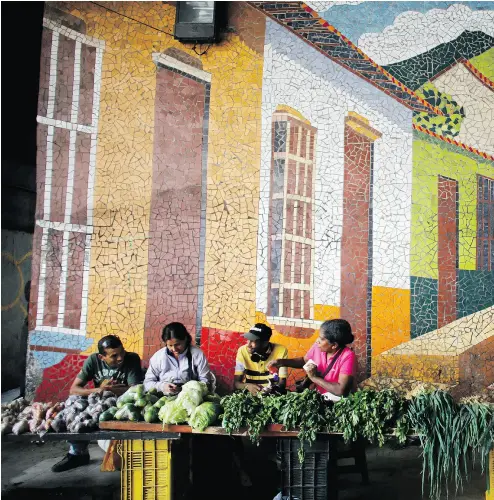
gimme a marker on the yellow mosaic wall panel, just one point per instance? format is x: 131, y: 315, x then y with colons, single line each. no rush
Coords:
x: 122, y: 192
x: 390, y: 318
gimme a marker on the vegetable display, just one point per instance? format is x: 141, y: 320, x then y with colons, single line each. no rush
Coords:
x: 451, y: 434
x: 173, y: 413
x: 189, y: 407
x: 76, y: 414
x: 204, y: 415
x: 370, y: 414
x: 152, y: 407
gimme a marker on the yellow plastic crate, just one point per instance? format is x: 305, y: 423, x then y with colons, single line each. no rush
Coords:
x: 146, y: 470
x: 490, y: 492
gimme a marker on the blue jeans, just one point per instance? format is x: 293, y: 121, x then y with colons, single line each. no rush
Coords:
x: 78, y: 447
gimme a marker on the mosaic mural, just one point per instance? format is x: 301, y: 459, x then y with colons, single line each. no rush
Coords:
x: 321, y: 161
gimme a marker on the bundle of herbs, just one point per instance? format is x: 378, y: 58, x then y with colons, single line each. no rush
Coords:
x: 305, y: 412
x: 239, y: 409
x: 371, y: 414
x: 452, y: 436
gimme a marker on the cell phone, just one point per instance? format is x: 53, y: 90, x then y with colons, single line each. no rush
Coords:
x: 178, y: 386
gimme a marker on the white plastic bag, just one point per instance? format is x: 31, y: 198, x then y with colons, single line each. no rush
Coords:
x: 328, y: 396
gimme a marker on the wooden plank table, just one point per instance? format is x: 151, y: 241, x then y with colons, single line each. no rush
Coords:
x: 110, y: 434
x: 273, y: 430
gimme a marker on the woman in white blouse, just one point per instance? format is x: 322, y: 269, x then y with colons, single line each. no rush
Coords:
x: 177, y: 363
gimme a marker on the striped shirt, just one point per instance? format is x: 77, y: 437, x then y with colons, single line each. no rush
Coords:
x: 256, y: 373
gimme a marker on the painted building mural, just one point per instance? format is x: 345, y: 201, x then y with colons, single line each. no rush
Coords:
x: 302, y: 169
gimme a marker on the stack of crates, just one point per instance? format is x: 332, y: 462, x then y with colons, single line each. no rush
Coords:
x: 311, y: 480
x: 146, y: 470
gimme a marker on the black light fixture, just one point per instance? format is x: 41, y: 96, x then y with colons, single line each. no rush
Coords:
x: 197, y: 22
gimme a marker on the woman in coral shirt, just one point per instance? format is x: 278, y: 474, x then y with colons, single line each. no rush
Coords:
x: 340, y: 380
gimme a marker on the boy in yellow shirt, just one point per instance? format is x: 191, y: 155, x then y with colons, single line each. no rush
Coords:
x: 250, y: 367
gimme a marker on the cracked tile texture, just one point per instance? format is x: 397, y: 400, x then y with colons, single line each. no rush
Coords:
x: 282, y: 175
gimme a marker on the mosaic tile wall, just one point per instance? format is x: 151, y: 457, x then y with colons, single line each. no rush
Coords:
x: 282, y: 175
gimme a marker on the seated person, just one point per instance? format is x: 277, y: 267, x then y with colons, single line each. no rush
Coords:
x: 111, y: 369
x: 253, y: 358
x: 335, y: 365
x: 177, y: 363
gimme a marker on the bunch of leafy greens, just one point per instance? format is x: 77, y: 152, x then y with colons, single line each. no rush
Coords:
x: 452, y: 436
x: 371, y: 414
x: 305, y: 412
x: 239, y: 409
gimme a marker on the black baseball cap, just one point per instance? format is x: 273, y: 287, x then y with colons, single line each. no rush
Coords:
x: 259, y: 331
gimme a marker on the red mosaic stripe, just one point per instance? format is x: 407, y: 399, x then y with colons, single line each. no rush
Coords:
x: 355, y: 238
x: 447, y: 251
x: 52, y: 278
x: 486, y: 81
x: 174, y: 232
x: 75, y: 266
x: 455, y: 143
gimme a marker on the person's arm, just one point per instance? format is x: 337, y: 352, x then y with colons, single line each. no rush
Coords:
x: 288, y: 363
x: 340, y: 388
x: 84, y: 376
x: 78, y: 388
x: 283, y: 371
x: 152, y: 378
x: 239, y: 385
x: 202, y: 367
x: 117, y: 389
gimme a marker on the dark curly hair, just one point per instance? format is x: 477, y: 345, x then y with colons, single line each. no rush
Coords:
x: 337, y: 331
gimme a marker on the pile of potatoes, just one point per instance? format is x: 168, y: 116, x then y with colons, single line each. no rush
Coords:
x: 20, y: 416
x: 77, y: 414
x: 82, y: 414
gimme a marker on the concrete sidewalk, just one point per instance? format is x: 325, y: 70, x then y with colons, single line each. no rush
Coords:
x: 26, y: 473
x: 394, y: 475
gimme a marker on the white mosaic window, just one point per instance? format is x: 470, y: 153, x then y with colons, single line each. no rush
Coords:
x: 70, y: 160
x: 291, y: 221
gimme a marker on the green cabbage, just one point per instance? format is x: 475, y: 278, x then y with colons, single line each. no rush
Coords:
x: 138, y: 390
x: 108, y: 414
x: 189, y: 400
x: 140, y: 403
x: 127, y: 412
x: 204, y: 415
x: 126, y: 397
x: 151, y: 414
x: 213, y: 398
x: 151, y: 398
x: 172, y: 413
x: 194, y: 385
x: 164, y: 400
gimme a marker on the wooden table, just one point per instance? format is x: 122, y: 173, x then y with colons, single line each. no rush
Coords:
x: 273, y: 430
x: 113, y: 435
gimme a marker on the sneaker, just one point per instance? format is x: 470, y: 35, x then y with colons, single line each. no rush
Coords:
x: 71, y: 462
